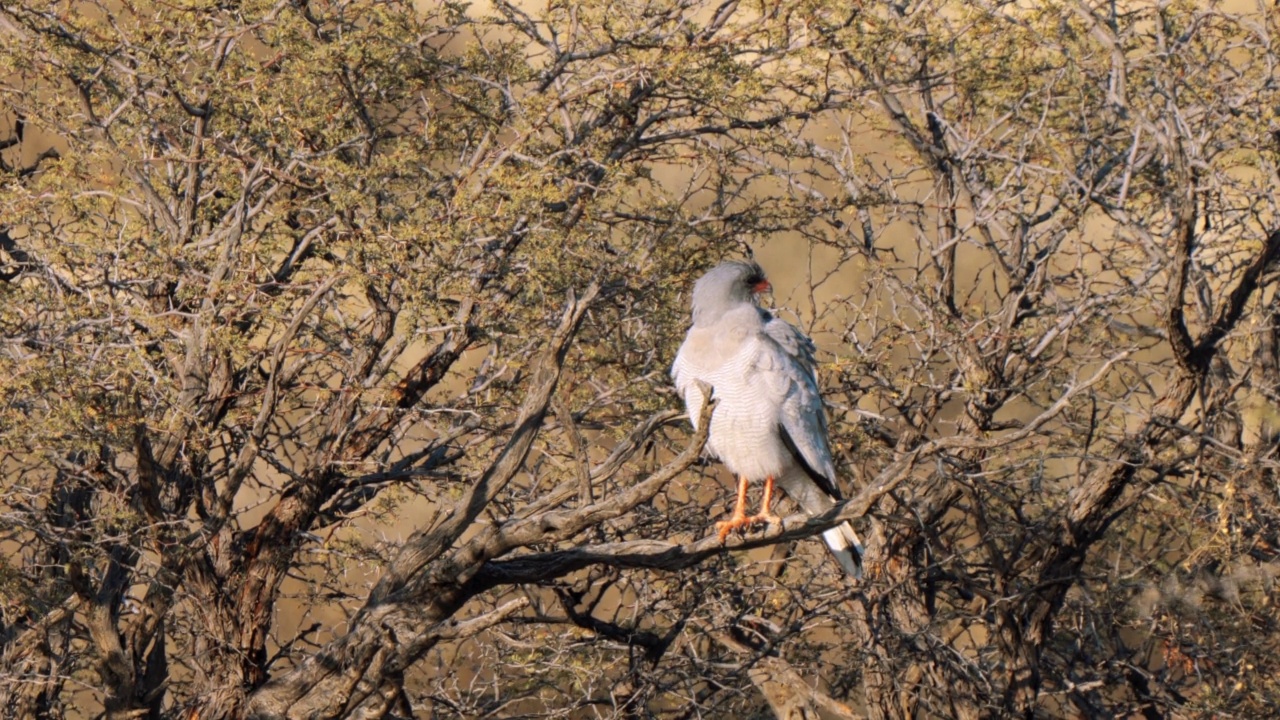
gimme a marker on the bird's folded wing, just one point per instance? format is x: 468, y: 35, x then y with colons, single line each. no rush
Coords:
x: 787, y: 366
x: 795, y: 344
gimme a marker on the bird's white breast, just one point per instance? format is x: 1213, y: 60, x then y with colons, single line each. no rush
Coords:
x: 740, y: 365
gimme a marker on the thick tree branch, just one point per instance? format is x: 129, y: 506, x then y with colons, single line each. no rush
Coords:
x: 677, y: 555
x: 414, y: 602
x: 427, y: 545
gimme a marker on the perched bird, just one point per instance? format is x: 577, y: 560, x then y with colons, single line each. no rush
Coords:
x: 768, y: 424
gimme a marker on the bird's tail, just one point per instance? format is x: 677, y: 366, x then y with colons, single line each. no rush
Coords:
x: 846, y: 548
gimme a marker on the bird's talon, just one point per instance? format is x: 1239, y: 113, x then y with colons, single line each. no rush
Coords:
x: 724, y: 527
x: 766, y: 520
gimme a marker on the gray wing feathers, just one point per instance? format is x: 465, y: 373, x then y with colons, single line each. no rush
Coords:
x: 801, y: 413
x: 804, y: 426
x: 807, y: 493
x: 796, y: 344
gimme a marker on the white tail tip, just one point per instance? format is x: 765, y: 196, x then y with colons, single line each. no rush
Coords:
x: 846, y: 548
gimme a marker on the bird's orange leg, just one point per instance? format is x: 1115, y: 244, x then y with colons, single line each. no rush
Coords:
x: 765, y: 516
x: 739, y: 517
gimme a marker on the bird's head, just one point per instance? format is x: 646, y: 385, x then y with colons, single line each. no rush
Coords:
x: 726, y: 286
